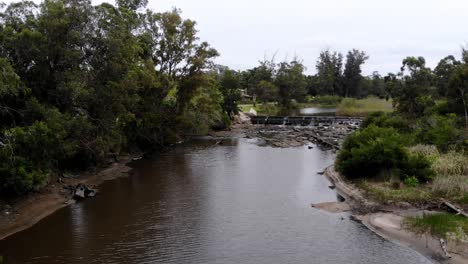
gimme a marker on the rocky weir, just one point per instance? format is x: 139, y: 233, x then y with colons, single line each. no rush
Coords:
x: 327, y: 132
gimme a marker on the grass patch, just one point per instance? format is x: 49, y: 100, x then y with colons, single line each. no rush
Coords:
x: 262, y: 109
x: 451, y: 170
x: 325, y: 101
x: 385, y: 193
x: 451, y: 163
x: 440, y: 225
x: 362, y: 107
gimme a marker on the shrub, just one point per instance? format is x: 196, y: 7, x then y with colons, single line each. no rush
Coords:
x: 411, y: 181
x: 389, y: 120
x: 370, y: 151
x: 438, y: 130
x: 18, y: 175
x: 418, y: 166
x: 373, y: 151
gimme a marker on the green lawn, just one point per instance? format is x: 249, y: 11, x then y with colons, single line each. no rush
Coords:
x: 362, y: 107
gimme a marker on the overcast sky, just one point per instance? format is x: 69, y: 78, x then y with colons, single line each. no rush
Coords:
x: 244, y: 31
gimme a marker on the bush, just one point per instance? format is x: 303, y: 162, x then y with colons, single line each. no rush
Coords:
x: 389, y: 120
x: 373, y: 151
x: 418, y: 166
x: 370, y: 151
x: 18, y: 175
x: 411, y: 181
x: 438, y: 130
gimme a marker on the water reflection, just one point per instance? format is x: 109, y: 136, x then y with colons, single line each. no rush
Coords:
x: 204, y: 202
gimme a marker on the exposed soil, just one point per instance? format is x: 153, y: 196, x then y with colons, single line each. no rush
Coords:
x: 25, y: 212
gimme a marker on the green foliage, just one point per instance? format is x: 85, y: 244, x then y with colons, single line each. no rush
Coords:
x: 352, y: 77
x: 417, y: 166
x: 387, y: 120
x: 375, y: 151
x: 438, y: 130
x: 326, y: 100
x: 230, y: 88
x: 385, y: 193
x: 411, y: 181
x: 81, y: 83
x: 442, y: 225
x: 362, y: 107
x: 291, y: 84
x: 370, y: 151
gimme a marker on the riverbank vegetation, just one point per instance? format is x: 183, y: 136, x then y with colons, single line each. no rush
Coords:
x: 418, y: 153
x: 82, y: 83
x: 447, y: 226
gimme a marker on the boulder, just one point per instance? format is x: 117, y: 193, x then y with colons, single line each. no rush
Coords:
x: 81, y: 191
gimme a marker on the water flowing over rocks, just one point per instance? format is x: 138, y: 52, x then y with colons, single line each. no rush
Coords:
x: 330, y: 137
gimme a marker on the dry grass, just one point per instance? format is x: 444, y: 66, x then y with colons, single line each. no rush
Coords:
x: 451, y: 185
x: 451, y: 169
x: 451, y: 163
x: 429, y: 151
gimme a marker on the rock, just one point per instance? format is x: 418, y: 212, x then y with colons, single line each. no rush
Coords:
x: 79, y: 192
x: 82, y: 191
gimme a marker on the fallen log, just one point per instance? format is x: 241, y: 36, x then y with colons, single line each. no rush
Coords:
x: 454, y: 208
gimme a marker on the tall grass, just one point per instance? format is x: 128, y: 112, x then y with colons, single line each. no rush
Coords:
x: 451, y: 163
x: 362, y: 107
x: 451, y: 185
x: 440, y: 225
x: 451, y: 169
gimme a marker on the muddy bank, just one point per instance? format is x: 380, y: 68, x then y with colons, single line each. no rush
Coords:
x: 387, y: 222
x: 25, y: 212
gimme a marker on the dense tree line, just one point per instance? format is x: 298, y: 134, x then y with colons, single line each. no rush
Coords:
x: 79, y: 84
x: 334, y: 77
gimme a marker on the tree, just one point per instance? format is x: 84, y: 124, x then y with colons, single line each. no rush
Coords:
x: 176, y: 51
x: 329, y: 72
x: 352, y: 72
x: 291, y: 82
x: 413, y: 92
x: 443, y: 72
x: 458, y: 89
x: 230, y: 88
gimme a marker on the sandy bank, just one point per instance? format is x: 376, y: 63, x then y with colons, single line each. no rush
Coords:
x: 31, y: 209
x: 387, y: 222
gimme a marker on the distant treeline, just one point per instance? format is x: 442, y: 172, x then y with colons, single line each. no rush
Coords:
x: 414, y: 89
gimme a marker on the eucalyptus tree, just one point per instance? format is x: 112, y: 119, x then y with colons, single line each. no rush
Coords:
x: 291, y: 82
x: 329, y: 72
x: 352, y: 77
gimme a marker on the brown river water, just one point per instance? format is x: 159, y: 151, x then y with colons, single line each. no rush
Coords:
x: 206, y: 203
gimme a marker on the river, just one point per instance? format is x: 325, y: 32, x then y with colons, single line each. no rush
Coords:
x: 202, y: 202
